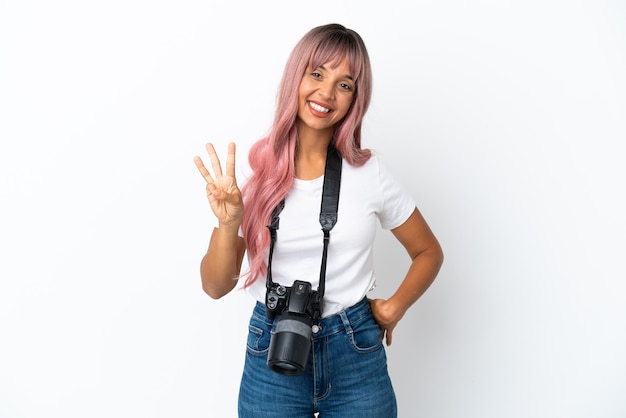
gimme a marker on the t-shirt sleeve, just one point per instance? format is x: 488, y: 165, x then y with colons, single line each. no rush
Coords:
x: 398, y: 204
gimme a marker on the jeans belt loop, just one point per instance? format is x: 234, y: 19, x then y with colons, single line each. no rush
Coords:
x: 346, y: 322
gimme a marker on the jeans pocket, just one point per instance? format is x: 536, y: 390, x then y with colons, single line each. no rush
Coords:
x: 366, y: 335
x: 259, y: 334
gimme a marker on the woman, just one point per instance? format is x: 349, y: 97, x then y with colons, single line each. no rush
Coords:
x: 324, y: 94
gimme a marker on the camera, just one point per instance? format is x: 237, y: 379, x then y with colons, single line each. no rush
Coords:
x: 299, y: 308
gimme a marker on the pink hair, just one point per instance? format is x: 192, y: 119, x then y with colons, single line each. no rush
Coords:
x: 272, y: 158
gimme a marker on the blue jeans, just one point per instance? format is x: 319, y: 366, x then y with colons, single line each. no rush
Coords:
x: 346, y: 375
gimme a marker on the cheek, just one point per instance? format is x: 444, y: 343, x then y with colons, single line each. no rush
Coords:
x: 345, y: 106
x: 305, y: 88
x: 302, y: 95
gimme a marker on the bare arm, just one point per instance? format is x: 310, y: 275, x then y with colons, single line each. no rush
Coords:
x: 424, y: 249
x: 221, y: 264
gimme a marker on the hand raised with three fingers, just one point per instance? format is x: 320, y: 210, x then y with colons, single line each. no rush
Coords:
x: 222, y: 191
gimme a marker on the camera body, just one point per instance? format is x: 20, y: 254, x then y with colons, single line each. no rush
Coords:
x: 298, y: 299
x: 299, y: 308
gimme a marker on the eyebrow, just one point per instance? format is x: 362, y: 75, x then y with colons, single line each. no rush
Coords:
x: 348, y: 76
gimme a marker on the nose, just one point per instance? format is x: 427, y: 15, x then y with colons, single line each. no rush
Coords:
x: 327, y: 90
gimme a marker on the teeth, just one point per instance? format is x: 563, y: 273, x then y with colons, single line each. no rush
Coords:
x: 319, y: 108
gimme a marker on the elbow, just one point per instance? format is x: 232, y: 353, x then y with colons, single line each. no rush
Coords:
x: 438, y: 256
x: 215, y: 284
x: 213, y: 292
x: 217, y: 290
x: 433, y: 256
x: 439, y: 262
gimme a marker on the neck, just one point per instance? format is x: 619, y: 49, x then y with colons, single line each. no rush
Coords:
x: 310, y: 159
x: 312, y: 141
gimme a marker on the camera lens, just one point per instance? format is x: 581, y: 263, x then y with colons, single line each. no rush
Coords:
x: 290, y: 345
x: 285, y: 368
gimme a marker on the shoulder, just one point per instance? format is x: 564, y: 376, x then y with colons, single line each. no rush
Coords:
x: 373, y: 169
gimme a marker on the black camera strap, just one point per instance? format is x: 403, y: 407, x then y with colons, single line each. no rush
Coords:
x: 328, y: 213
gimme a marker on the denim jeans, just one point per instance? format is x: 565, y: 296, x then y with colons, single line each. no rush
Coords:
x: 346, y: 375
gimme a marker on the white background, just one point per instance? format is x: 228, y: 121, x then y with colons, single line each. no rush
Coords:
x: 505, y: 119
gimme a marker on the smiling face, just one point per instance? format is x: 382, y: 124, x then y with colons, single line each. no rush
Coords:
x: 324, y: 97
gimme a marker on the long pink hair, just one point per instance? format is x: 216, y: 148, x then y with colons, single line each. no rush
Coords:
x: 272, y: 158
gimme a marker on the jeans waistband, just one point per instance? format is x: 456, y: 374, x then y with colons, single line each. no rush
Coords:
x: 332, y: 324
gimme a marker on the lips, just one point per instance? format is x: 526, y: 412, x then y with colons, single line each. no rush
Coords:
x: 318, y: 108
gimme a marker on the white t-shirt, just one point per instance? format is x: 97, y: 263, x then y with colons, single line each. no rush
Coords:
x: 368, y: 194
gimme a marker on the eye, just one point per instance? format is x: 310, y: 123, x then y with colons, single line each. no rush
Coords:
x: 345, y: 86
x: 315, y: 74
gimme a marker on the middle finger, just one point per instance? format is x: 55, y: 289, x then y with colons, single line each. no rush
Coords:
x: 215, y: 161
